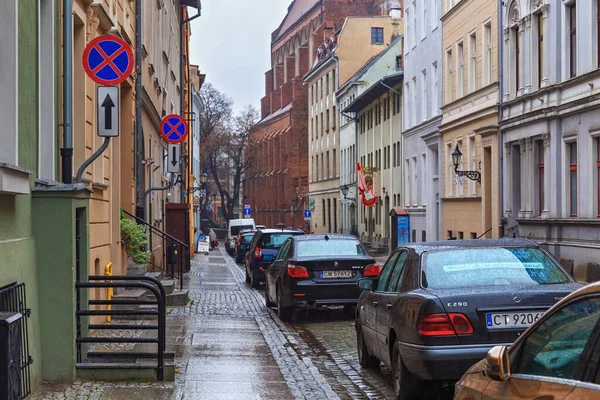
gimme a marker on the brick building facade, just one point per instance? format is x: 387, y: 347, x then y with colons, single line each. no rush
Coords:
x: 277, y: 182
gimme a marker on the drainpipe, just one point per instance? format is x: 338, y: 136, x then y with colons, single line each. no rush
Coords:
x: 66, y: 152
x: 500, y: 101
x: 139, y: 135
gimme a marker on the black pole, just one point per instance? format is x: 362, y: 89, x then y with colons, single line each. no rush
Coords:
x: 139, y: 138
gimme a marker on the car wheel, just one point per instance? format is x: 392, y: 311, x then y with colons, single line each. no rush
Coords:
x: 268, y: 302
x: 364, y: 358
x: 253, y: 280
x: 247, y: 276
x: 284, y: 313
x: 405, y: 385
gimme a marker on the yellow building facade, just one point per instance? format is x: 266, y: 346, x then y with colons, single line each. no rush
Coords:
x: 470, y: 208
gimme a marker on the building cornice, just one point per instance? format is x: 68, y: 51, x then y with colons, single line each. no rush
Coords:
x: 423, y: 125
x: 454, y: 10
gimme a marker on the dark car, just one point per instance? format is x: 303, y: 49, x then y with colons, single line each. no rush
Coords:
x: 242, y: 243
x: 317, y: 270
x: 262, y: 251
x: 437, y: 308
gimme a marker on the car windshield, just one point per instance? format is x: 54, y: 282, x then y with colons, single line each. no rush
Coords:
x: 275, y: 240
x: 497, y: 266
x: 329, y: 248
x: 247, y: 238
x: 237, y: 228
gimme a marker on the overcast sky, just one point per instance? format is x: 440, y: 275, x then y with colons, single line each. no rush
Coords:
x: 231, y: 44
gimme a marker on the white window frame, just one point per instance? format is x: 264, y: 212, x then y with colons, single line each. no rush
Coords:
x: 460, y: 69
x: 424, y: 94
x: 473, y: 61
x: 434, y: 89
x: 486, y: 76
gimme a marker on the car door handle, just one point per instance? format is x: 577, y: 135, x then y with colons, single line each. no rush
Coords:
x: 389, y: 306
x: 375, y: 304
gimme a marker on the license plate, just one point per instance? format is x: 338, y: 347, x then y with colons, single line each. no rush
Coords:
x: 511, y: 319
x: 267, y: 258
x: 336, y: 274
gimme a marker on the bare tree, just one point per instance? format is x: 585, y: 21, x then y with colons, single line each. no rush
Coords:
x: 222, y: 145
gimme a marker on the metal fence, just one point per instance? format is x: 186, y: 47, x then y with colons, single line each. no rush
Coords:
x: 13, y: 299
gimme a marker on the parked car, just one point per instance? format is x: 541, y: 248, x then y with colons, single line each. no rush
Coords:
x: 555, y: 358
x: 317, y: 270
x: 262, y: 250
x: 233, y: 229
x: 242, y: 243
x: 261, y: 227
x: 436, y: 308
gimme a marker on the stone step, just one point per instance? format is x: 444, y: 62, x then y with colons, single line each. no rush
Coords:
x: 156, y: 275
x: 140, y: 370
x: 112, y: 356
x: 177, y: 298
x: 169, y: 285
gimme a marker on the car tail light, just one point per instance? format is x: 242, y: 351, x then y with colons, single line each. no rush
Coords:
x: 297, y: 271
x: 372, y: 271
x: 258, y: 253
x: 445, y: 325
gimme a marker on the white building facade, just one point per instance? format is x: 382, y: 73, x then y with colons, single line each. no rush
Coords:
x: 422, y: 117
x: 550, y: 125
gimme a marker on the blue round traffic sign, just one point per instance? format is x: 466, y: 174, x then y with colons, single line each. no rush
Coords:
x: 108, y: 60
x: 174, y: 129
x: 307, y: 214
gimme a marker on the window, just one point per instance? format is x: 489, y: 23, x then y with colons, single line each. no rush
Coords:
x: 397, y: 274
x: 334, y: 163
x: 460, y: 76
x: 327, y: 86
x: 515, y: 34
x: 324, y: 215
x: 9, y: 133
x: 386, y: 272
x: 540, y: 175
x: 487, y: 48
x: 408, y: 105
x: 334, y: 119
x: 461, y: 235
x: 329, y: 214
x: 572, y: 157
x: 414, y: 236
x: 316, y: 174
x: 572, y: 39
x: 328, y: 174
x: 394, y: 156
x: 333, y: 81
x: 472, y: 62
x: 424, y: 95
x: 484, y: 267
x: 377, y: 35
x: 448, y: 76
x: 598, y: 170
x: 565, y: 334
x: 415, y: 117
x: 407, y: 182
x: 398, y: 63
x: 330, y: 248
x: 388, y: 148
x: 423, y: 236
x: 473, y: 235
x: 424, y: 22
x: 434, y: 89
x: 540, y: 55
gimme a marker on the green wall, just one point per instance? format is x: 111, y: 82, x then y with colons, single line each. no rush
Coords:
x: 17, y: 241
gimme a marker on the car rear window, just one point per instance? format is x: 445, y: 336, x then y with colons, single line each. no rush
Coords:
x: 497, y: 266
x: 329, y: 248
x: 247, y: 238
x: 275, y: 240
x: 237, y: 228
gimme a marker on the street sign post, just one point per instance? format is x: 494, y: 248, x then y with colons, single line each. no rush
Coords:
x: 174, y: 128
x: 247, y: 211
x: 107, y: 102
x: 108, y: 60
x: 173, y: 158
x: 307, y: 215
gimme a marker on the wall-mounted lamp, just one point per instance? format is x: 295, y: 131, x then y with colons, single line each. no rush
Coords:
x: 456, y: 157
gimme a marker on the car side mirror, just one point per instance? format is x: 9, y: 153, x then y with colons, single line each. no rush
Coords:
x: 497, y: 364
x: 365, y: 284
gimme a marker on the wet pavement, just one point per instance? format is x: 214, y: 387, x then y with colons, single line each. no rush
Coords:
x: 228, y: 345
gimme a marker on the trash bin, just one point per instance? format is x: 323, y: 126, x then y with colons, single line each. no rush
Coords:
x: 10, y: 356
x: 173, y: 254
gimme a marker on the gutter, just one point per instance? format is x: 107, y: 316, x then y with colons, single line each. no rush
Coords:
x: 500, y: 101
x: 66, y: 152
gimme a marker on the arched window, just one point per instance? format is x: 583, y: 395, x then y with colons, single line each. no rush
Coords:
x: 515, y: 48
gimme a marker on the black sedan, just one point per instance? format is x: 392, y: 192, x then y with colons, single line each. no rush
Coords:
x: 437, y: 308
x: 317, y: 270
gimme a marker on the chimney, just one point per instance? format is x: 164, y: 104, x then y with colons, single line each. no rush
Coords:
x: 395, y: 8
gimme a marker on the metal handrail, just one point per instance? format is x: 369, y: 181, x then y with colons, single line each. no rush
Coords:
x: 151, y: 284
x: 165, y: 236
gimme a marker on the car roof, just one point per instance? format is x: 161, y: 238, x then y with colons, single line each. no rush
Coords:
x: 271, y: 230
x: 321, y: 236
x: 472, y: 243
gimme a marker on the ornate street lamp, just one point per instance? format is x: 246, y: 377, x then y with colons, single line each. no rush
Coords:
x: 203, y: 178
x: 456, y: 158
x: 345, y: 192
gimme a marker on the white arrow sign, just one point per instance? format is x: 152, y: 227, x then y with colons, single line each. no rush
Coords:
x: 173, y: 158
x: 107, y: 101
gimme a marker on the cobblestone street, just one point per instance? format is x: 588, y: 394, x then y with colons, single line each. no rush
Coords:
x: 228, y: 345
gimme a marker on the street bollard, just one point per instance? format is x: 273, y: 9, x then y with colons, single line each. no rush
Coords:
x: 109, y: 291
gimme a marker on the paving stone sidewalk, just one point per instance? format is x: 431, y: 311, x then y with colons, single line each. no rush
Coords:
x: 228, y: 345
